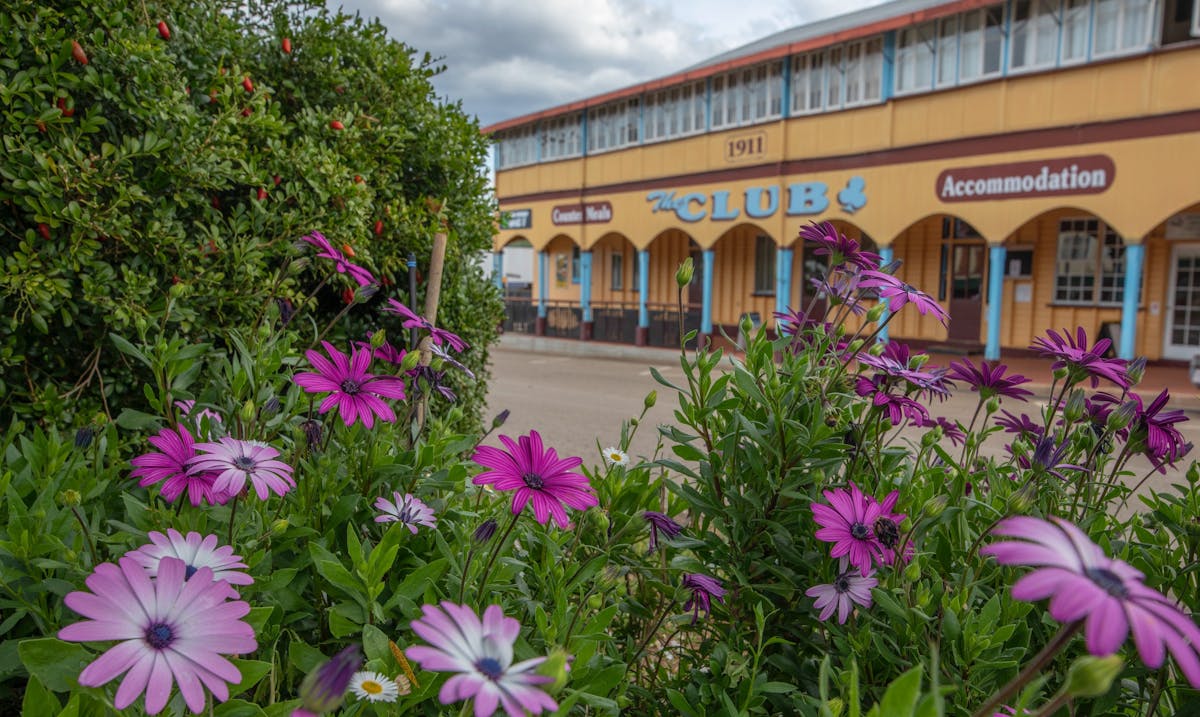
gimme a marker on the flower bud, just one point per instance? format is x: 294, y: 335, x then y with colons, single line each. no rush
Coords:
x: 365, y: 292
x: 912, y: 572
x: 84, y: 436
x: 1020, y: 501
x: 856, y: 346
x: 324, y: 689
x: 312, y: 433
x: 932, y: 437
x: 1073, y: 411
x: 411, y: 359
x: 1123, y: 416
x: 835, y: 706
x: 993, y: 405
x: 1091, y: 676
x: 280, y: 525
x: 683, y: 275
x: 248, y: 410
x: 918, y: 360
x: 299, y: 264
x: 1136, y: 370
x: 650, y: 399
x: 876, y: 311
x: 500, y: 419
x: 378, y: 338
x: 1060, y: 373
x: 934, y: 506
x: 485, y: 531
x: 556, y: 667
x: 746, y: 325
x: 271, y: 407
x: 875, y: 350
x: 69, y: 498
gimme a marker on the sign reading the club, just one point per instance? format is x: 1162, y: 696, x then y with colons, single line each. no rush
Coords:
x: 516, y: 219
x: 798, y: 198
x: 1092, y: 174
x: 588, y: 213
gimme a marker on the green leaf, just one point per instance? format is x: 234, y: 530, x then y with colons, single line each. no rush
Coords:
x: 900, y: 698
x: 252, y: 671
x: 133, y: 420
x: 39, y: 700
x: 56, y: 663
x: 375, y: 643
x: 238, y: 708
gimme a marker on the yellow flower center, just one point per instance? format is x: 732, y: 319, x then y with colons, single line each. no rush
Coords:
x: 372, y: 687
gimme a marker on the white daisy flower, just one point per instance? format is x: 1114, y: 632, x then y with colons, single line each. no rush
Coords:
x: 615, y: 457
x: 374, y: 687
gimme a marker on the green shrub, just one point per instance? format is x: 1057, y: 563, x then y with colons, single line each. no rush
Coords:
x: 156, y: 189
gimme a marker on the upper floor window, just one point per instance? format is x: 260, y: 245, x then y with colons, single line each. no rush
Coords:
x: 516, y: 147
x: 968, y: 48
x: 613, y: 126
x: 1034, y: 34
x: 1121, y: 26
x: 675, y: 112
x: 914, y: 57
x: 562, y: 137
x: 747, y: 96
x: 842, y: 76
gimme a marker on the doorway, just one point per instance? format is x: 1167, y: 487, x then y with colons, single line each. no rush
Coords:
x: 963, y: 279
x: 1182, y: 336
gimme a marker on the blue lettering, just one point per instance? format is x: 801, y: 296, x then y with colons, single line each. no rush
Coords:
x: 721, y: 211
x: 754, y: 206
x: 807, y: 198
x: 683, y: 208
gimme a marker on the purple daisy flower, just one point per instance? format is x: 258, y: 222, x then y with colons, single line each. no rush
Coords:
x: 848, y: 522
x: 1024, y: 426
x: 235, y: 461
x: 1048, y: 455
x: 1072, y: 353
x: 660, y: 522
x: 170, y: 630
x: 841, y: 249
x: 989, y: 380
x: 897, y: 407
x: 1084, y: 584
x: 899, y: 293
x: 197, y: 418
x: 847, y: 589
x: 356, y: 393
x: 704, y: 589
x: 407, y: 510
x: 481, y: 652
x: 327, y: 251
x: 196, y: 552
x: 1155, y: 428
x: 537, y: 475
x: 169, y: 466
x: 413, y: 321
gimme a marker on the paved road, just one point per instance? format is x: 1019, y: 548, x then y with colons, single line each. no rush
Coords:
x: 576, y: 402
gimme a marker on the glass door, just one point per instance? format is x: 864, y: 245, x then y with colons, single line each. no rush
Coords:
x: 1182, y: 340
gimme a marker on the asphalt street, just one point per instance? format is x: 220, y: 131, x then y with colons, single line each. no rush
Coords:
x: 577, y: 403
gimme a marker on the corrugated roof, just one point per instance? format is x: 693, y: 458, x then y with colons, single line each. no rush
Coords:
x: 858, y: 24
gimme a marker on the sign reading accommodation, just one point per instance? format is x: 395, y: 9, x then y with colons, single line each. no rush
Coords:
x: 588, y: 213
x: 1092, y: 174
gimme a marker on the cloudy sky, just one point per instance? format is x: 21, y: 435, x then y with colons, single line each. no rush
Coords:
x: 508, y: 57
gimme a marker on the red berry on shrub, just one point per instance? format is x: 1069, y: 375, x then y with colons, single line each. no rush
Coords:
x: 44, y: 231
x: 216, y: 202
x: 262, y: 194
x: 67, y: 110
x: 246, y: 83
x: 175, y: 279
x: 348, y: 295
x: 163, y: 30
x: 41, y: 126
x: 211, y: 248
x: 378, y: 227
x: 339, y: 89
x: 287, y: 45
x: 277, y: 179
x: 78, y: 53
x: 246, y: 112
x: 348, y: 250
x: 358, y: 179
x: 337, y: 125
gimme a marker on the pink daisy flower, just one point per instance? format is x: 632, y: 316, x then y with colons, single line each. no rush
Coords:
x: 481, y: 652
x: 235, y: 461
x: 436, y: 335
x: 538, y: 475
x: 407, y: 510
x: 169, y: 466
x: 171, y: 630
x: 847, y: 523
x: 327, y: 251
x: 356, y: 393
x: 195, y: 551
x: 847, y: 589
x: 1084, y: 584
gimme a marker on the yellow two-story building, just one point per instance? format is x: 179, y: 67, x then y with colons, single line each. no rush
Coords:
x: 1033, y: 163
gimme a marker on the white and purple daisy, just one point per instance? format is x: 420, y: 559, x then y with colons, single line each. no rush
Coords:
x: 405, y: 509
x: 849, y: 588
x: 235, y: 461
x: 195, y: 551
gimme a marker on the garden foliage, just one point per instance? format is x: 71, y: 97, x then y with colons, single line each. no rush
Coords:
x: 809, y: 537
x: 160, y: 157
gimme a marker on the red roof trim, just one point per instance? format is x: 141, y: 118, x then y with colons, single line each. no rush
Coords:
x: 875, y: 28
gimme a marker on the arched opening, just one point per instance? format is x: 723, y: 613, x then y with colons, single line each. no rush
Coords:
x: 666, y: 251
x: 944, y: 256
x: 518, y: 268
x: 744, y: 281
x: 1066, y: 268
x: 1173, y: 261
x: 614, y: 289
x: 563, y: 314
x: 810, y: 268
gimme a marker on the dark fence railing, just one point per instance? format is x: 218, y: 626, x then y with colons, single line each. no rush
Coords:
x: 611, y: 321
x: 520, y: 315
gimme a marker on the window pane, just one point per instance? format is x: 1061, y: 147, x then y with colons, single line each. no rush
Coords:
x: 1108, y: 16
x: 993, y: 39
x: 1075, y: 28
x: 971, y: 47
x: 948, y: 51
x: 764, y: 265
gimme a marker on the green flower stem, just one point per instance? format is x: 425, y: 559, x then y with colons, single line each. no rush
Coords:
x: 487, y: 569
x: 1035, y: 666
x: 232, y: 515
x: 87, y: 534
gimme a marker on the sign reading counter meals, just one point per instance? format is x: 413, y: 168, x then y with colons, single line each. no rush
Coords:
x: 1091, y: 174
